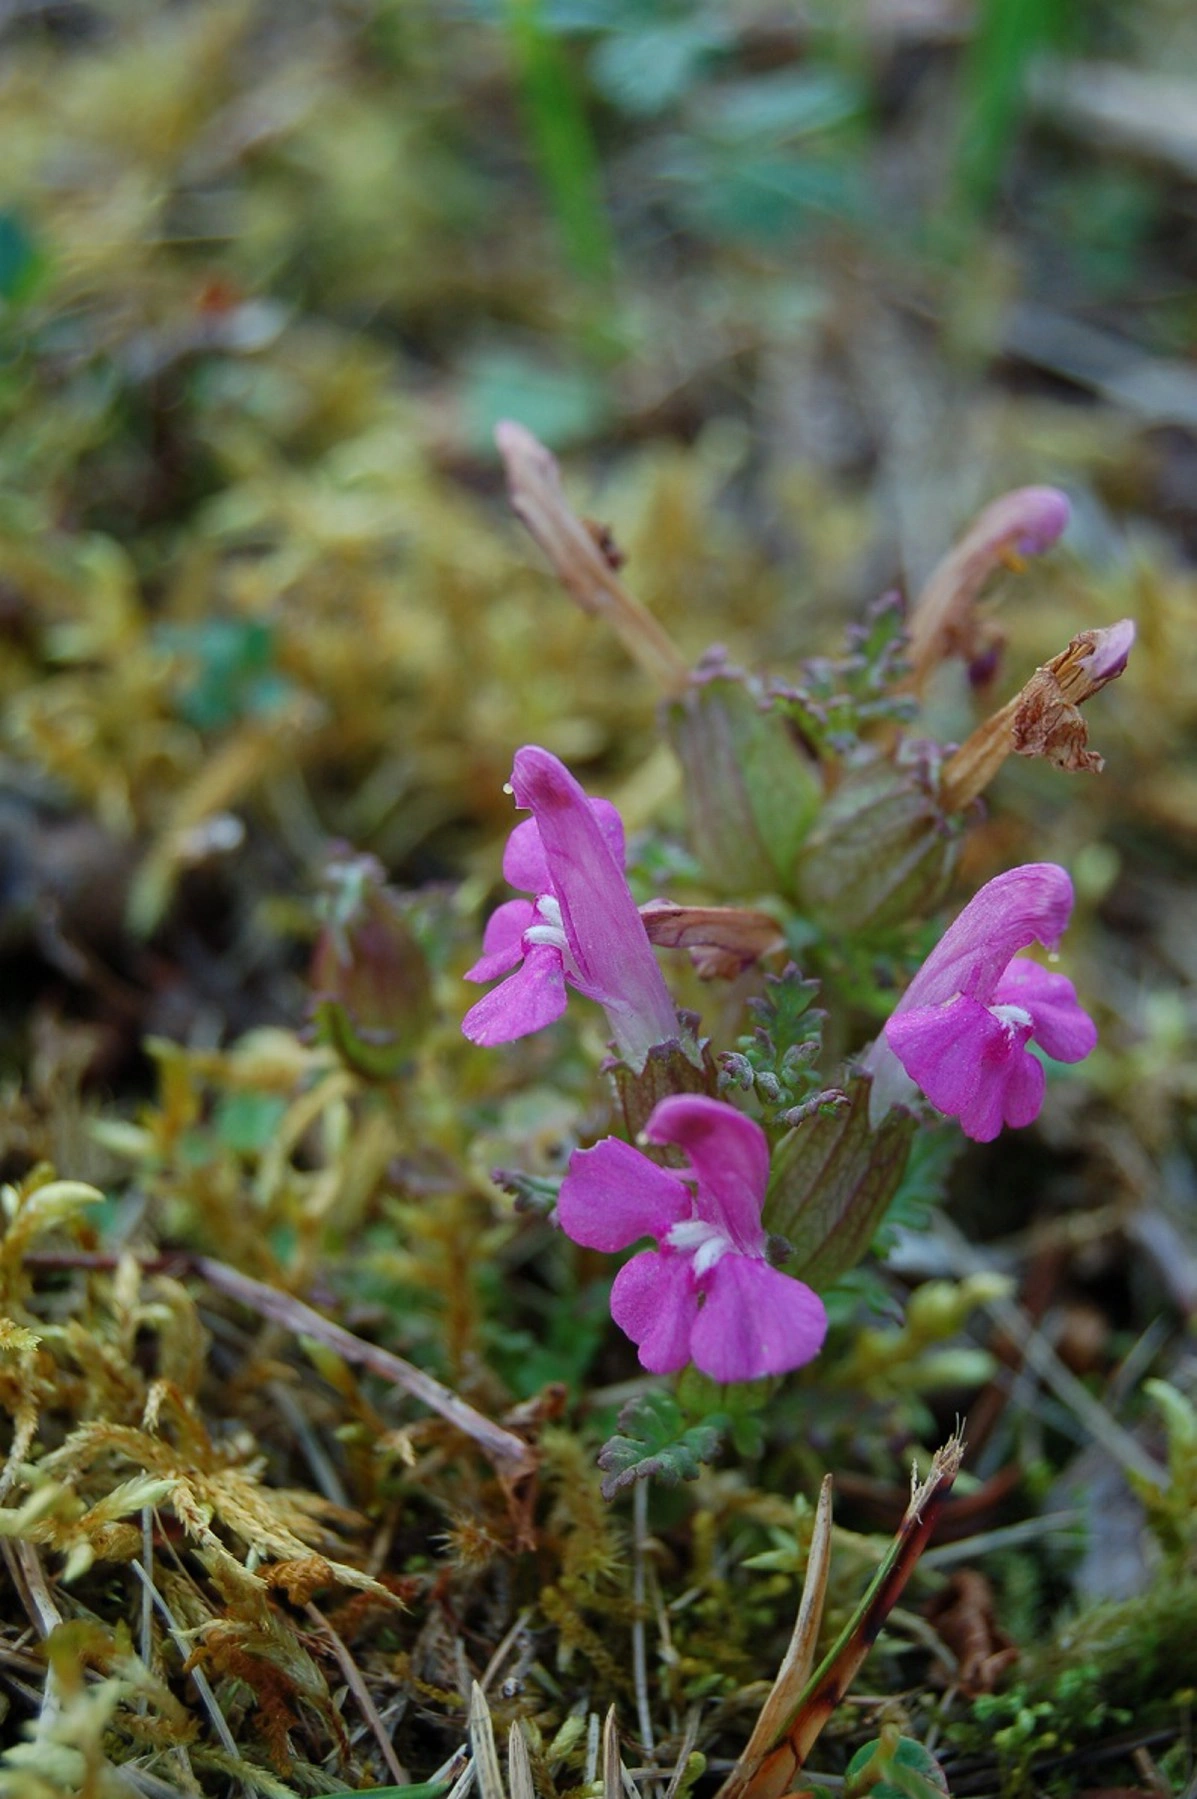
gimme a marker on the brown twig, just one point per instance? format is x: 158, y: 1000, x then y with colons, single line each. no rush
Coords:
x: 513, y: 1458
x: 361, y: 1692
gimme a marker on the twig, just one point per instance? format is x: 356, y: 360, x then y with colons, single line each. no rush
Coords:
x: 514, y: 1459
x: 500, y: 1655
x: 140, y: 1780
x: 322, y: 1471
x: 689, y: 1738
x: 360, y: 1691
x: 1003, y: 1536
x: 511, y: 1455
x: 147, y: 1602
x: 29, y: 1578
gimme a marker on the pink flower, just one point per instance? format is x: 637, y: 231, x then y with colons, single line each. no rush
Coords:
x: 961, y: 1029
x: 1032, y: 517
x: 582, y: 927
x: 706, y: 1294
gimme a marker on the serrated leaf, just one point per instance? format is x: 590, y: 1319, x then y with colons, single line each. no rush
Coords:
x: 778, y: 1061
x: 832, y: 1181
x: 837, y: 700
x: 655, y: 1440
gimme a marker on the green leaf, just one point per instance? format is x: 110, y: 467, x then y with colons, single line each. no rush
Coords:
x: 778, y: 1061
x: 246, y: 1122
x: 231, y: 672
x: 882, y: 852
x: 1007, y: 35
x: 656, y: 1440
x: 562, y: 142
x: 751, y: 790
x: 778, y: 108
x: 426, y: 1789
x: 560, y: 405
x: 909, y: 1772
x: 933, y: 1153
x: 21, y: 260
x: 646, y: 70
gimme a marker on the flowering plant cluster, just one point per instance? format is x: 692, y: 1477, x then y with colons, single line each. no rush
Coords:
x: 816, y: 800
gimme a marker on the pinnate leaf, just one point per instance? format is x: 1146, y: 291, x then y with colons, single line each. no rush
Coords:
x: 655, y: 1440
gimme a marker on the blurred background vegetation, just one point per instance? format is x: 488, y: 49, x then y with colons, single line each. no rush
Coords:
x: 793, y: 289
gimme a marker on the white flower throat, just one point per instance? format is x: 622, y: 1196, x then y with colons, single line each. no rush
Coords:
x: 705, y: 1242
x: 1013, y: 1017
x: 549, y: 928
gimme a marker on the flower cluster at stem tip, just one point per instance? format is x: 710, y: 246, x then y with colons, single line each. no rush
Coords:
x: 960, y: 1034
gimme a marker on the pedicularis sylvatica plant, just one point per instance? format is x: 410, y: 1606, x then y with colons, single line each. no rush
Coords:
x: 751, y: 1174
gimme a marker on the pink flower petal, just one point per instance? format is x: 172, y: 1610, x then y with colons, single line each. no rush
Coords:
x: 1022, y: 1095
x: 654, y: 1300
x: 1062, y: 1028
x: 730, y: 1155
x: 611, y: 825
x: 973, y: 1066
x: 755, y: 1321
x: 1031, y: 904
x: 524, y: 864
x: 501, y: 940
x: 526, y: 1001
x: 1111, y: 652
x: 614, y: 1195
x: 606, y: 935
x: 1038, y: 515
